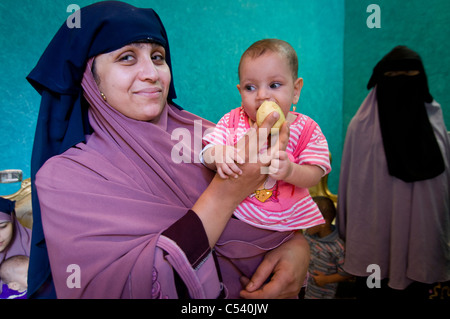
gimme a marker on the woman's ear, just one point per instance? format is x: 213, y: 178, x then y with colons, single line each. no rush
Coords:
x: 298, y: 84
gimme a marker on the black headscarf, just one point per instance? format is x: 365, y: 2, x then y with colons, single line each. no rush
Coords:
x: 6, y: 206
x: 63, y: 117
x: 412, y: 152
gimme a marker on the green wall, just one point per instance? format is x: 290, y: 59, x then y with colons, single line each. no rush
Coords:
x: 207, y: 39
x: 421, y: 25
x: 337, y: 52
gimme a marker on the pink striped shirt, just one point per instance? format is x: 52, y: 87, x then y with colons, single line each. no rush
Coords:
x: 278, y: 205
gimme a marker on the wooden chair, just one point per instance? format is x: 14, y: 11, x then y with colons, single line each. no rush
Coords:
x: 322, y: 189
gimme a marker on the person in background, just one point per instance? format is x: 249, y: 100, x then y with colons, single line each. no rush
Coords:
x: 394, y: 186
x: 327, y: 254
x: 15, y: 239
x: 14, y: 274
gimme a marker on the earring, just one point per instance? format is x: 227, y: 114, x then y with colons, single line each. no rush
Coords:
x: 103, y: 96
x: 294, y: 108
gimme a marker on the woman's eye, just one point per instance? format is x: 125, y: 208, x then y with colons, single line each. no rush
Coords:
x: 158, y: 57
x: 126, y: 58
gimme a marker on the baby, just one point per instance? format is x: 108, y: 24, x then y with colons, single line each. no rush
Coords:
x: 14, y: 274
x: 268, y: 71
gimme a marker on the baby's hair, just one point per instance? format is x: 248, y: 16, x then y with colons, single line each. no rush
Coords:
x: 8, y: 266
x: 281, y: 47
x: 326, y: 207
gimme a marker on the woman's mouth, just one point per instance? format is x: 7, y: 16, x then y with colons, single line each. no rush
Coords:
x: 149, y: 92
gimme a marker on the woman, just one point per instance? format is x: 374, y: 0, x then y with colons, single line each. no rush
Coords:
x: 394, y: 185
x: 14, y: 238
x: 112, y: 200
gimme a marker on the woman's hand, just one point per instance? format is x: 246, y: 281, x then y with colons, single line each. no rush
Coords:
x: 249, y: 147
x: 217, y: 203
x: 287, y: 264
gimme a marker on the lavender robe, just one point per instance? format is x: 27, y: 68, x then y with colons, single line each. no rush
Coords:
x: 404, y: 228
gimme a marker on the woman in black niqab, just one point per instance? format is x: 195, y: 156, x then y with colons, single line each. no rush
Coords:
x: 412, y: 152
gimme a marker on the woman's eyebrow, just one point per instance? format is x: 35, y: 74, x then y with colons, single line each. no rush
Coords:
x: 142, y: 44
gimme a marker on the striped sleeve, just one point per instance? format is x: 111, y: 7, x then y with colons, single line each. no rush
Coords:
x: 220, y: 134
x: 316, y: 151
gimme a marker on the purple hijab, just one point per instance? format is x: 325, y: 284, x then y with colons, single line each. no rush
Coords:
x: 63, y: 118
x: 20, y: 242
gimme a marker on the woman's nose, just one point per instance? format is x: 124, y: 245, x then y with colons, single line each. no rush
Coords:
x: 148, y: 71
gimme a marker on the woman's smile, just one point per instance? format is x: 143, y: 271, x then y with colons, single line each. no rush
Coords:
x: 154, y: 92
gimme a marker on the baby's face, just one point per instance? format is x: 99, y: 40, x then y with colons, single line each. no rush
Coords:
x: 267, y: 78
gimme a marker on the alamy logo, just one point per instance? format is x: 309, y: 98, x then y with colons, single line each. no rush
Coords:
x: 374, y: 280
x: 74, y: 279
x: 374, y: 19
x: 74, y: 20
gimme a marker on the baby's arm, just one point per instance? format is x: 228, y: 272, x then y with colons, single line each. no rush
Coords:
x: 306, y: 170
x: 223, y: 159
x: 304, y: 176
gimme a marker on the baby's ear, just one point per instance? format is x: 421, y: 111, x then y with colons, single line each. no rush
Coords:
x: 298, y: 84
x: 239, y: 88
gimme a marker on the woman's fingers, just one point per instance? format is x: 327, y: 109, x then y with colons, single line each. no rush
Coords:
x: 280, y: 141
x: 254, y: 141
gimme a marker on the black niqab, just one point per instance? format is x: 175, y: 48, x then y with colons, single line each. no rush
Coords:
x: 412, y: 152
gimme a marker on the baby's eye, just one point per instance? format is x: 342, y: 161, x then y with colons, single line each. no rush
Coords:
x: 275, y: 85
x: 249, y: 88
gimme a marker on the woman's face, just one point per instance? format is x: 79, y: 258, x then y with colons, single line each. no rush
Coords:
x: 135, y: 80
x: 6, y: 232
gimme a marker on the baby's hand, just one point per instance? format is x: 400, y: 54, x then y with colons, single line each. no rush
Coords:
x: 226, y: 159
x: 280, y: 166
